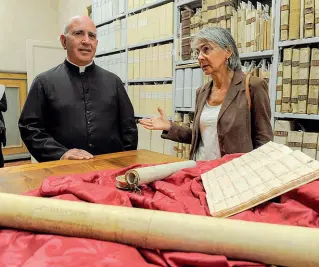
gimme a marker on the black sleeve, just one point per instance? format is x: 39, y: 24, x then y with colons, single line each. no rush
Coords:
x: 40, y: 144
x: 127, y: 122
x: 3, y: 103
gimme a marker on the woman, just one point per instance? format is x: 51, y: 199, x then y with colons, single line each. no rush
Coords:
x: 3, y: 108
x: 224, y: 121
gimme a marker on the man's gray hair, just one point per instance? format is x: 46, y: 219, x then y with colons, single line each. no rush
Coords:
x: 224, y: 40
x: 66, y: 29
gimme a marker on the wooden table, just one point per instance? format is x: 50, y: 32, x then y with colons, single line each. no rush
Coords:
x: 19, y: 179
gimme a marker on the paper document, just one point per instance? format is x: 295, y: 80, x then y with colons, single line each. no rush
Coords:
x: 255, y: 177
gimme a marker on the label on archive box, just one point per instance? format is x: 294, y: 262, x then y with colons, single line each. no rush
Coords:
x: 148, y: 95
x: 154, y: 95
x: 142, y: 94
x: 161, y: 96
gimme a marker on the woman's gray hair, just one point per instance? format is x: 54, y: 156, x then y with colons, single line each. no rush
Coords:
x: 224, y: 40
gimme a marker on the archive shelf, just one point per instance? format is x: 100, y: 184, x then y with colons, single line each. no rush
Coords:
x: 191, y: 3
x: 150, y: 80
x: 185, y: 109
x: 244, y: 56
x: 119, y: 50
x: 140, y: 116
x: 186, y: 62
x: 147, y: 6
x: 257, y: 55
x: 192, y: 66
x: 163, y: 40
x: 304, y: 41
x: 120, y: 16
x: 296, y: 116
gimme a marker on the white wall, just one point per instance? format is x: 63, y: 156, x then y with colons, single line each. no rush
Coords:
x: 42, y: 20
x: 21, y: 20
x: 71, y: 8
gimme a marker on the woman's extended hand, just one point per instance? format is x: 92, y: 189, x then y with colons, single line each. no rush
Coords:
x: 156, y: 123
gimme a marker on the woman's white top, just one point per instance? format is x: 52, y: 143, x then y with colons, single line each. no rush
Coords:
x: 209, y: 145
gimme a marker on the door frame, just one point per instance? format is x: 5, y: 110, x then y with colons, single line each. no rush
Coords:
x: 31, y: 45
x: 18, y: 80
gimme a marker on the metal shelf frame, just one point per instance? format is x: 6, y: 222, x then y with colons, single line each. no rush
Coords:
x: 296, y: 116
x: 159, y: 41
x: 273, y: 54
x: 148, y: 6
x: 150, y: 80
x: 304, y: 41
x: 118, y: 50
x: 119, y: 16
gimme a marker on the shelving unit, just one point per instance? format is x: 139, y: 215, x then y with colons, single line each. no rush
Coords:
x: 140, y: 45
x: 193, y: 63
x: 274, y: 55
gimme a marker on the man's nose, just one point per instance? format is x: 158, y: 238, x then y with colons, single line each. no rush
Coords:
x: 86, y: 39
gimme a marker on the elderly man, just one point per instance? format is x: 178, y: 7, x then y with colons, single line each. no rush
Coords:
x: 77, y: 109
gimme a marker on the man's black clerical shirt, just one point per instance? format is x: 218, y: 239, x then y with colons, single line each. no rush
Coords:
x: 67, y: 109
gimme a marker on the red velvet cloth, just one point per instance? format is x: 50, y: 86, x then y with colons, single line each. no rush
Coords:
x: 182, y: 192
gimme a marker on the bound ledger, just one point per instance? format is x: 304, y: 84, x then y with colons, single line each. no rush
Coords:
x: 286, y: 82
x: 255, y: 177
x: 302, y: 89
x: 313, y: 96
x: 294, y: 80
x: 279, y: 88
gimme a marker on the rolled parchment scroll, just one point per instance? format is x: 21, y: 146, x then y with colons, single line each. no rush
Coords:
x: 267, y: 243
x: 150, y: 174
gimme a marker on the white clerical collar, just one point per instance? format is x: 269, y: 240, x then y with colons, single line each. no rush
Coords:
x: 81, y: 68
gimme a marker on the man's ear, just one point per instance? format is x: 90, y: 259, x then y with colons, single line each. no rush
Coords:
x: 63, y: 41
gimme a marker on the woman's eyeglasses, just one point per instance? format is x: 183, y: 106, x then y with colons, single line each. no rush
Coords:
x: 205, y: 51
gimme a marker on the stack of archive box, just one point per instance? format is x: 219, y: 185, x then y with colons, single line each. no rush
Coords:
x: 135, y: 44
x: 277, y: 40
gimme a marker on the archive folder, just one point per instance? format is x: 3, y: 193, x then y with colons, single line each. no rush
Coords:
x: 142, y: 63
x: 187, y: 94
x: 179, y: 88
x: 136, y: 98
x: 197, y: 81
x: 309, y: 144
x: 155, y: 50
x: 136, y: 64
x: 130, y: 65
